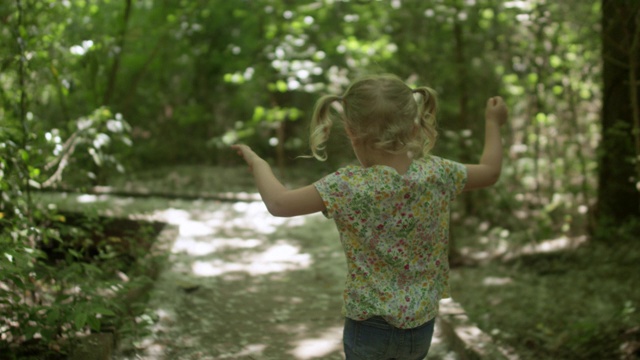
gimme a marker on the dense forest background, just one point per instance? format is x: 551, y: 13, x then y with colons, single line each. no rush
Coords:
x: 97, y: 90
x: 91, y: 88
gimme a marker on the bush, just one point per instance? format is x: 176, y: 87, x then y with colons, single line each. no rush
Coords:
x: 67, y: 276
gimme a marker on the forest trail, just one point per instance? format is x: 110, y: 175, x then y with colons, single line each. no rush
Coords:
x: 241, y: 284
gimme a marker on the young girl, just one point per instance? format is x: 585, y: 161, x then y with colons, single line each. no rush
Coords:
x: 392, y: 210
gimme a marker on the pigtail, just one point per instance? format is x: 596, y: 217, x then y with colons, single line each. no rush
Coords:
x: 321, y: 126
x: 427, y: 117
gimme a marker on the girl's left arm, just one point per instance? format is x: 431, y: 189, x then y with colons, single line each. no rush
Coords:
x: 279, y: 200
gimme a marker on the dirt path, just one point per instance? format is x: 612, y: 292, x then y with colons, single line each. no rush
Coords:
x: 241, y: 284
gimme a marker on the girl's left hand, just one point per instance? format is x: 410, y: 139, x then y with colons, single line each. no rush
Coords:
x: 247, y: 154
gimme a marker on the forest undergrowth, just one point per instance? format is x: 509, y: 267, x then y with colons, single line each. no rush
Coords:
x: 564, y: 298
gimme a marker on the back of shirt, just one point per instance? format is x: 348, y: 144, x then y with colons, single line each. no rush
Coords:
x: 394, y: 230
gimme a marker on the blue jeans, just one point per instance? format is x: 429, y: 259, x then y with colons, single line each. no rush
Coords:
x: 375, y: 339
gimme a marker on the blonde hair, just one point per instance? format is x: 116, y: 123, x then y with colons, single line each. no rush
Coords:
x: 381, y: 112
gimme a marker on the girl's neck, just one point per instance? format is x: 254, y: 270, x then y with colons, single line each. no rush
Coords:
x: 369, y: 157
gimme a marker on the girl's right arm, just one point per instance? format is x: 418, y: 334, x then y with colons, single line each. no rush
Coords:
x: 487, y: 172
x: 279, y: 200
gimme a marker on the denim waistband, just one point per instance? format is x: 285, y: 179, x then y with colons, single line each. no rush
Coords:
x: 381, y: 323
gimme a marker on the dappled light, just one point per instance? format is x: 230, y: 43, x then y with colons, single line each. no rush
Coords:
x: 189, y: 228
x: 276, y: 258
x: 247, y: 352
x: 496, y: 281
x: 469, y: 333
x: 548, y: 246
x: 203, y: 234
x: 328, y: 342
x: 86, y: 199
x: 502, y: 246
x: 205, y: 247
x: 240, y: 216
x: 254, y: 215
x: 559, y: 244
x: 100, y: 198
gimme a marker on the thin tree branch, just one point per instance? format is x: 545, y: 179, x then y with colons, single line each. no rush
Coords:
x: 22, y: 111
x: 65, y: 150
x: 62, y: 164
x: 63, y: 104
x: 143, y: 69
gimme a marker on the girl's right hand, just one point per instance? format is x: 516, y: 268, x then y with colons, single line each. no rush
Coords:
x: 496, y: 111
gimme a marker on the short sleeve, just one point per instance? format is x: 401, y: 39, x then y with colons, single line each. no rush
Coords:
x: 456, y: 176
x: 331, y: 190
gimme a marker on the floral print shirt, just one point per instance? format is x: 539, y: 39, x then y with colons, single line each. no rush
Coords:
x: 394, y: 231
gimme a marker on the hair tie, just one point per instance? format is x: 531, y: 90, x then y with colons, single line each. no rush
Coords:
x: 422, y: 92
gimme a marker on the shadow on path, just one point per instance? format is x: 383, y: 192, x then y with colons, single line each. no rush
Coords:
x: 241, y: 284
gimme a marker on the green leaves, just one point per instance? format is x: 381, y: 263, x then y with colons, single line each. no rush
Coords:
x: 88, y: 314
x: 53, y: 314
x: 80, y: 319
x: 280, y: 86
x: 276, y: 114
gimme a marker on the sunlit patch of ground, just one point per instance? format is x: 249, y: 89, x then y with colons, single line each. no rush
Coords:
x: 242, y: 284
x: 318, y: 347
x: 205, y: 235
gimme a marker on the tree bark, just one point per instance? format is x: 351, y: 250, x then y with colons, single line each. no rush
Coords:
x: 618, y: 197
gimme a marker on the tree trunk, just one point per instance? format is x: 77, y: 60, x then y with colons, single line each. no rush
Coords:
x: 619, y: 197
x: 455, y: 257
x: 113, y: 74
